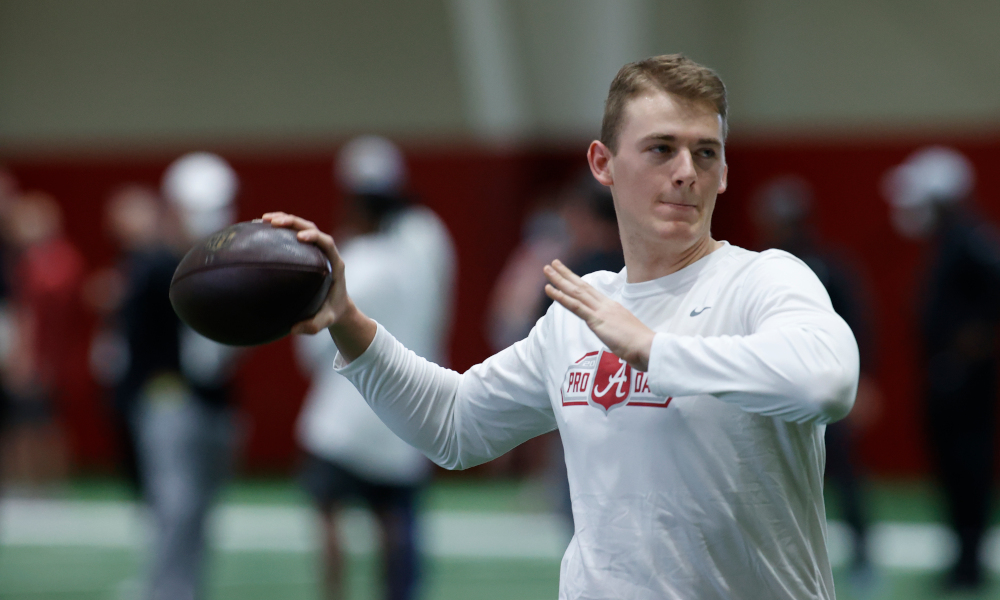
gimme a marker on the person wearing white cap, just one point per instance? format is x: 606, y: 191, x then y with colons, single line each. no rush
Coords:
x: 402, y: 265
x: 930, y: 196
x: 185, y: 424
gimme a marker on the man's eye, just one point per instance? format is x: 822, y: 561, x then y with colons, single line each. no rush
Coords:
x: 660, y: 149
x: 707, y: 153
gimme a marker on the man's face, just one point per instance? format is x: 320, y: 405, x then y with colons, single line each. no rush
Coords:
x: 668, y: 170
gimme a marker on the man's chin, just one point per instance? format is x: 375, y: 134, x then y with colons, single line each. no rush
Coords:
x: 677, y: 231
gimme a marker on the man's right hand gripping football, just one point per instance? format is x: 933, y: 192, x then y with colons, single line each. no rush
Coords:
x: 351, y: 330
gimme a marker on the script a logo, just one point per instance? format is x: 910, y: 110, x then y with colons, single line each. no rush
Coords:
x: 612, y: 382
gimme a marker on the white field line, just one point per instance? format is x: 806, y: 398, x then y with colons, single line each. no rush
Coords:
x: 446, y: 534
x: 278, y: 528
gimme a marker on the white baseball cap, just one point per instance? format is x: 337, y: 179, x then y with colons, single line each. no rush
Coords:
x: 203, y: 186
x: 932, y: 175
x: 371, y: 164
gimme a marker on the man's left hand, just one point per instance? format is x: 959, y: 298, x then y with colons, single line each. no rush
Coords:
x: 625, y: 335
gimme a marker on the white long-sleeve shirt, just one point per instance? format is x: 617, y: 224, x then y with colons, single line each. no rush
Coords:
x: 701, y: 478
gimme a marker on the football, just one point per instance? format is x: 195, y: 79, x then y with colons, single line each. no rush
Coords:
x: 249, y: 283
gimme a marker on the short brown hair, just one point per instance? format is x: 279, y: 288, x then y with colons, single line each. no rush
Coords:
x: 673, y: 73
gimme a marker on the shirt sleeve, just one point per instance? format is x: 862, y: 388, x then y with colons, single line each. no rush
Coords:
x: 457, y: 420
x: 799, y: 362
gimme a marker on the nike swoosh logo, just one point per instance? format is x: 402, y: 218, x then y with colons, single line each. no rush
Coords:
x: 695, y: 313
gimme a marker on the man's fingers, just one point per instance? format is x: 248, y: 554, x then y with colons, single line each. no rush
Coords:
x: 565, y: 280
x: 280, y: 219
x: 586, y: 290
x: 306, y: 328
x: 315, y: 236
x: 311, y: 326
x: 560, y: 285
x: 565, y: 273
x: 561, y: 277
x: 307, y: 232
x: 572, y: 304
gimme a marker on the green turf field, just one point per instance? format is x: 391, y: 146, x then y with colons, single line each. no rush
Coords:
x: 99, y: 568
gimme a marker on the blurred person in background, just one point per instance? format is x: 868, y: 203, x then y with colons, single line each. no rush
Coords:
x: 173, y: 387
x: 581, y: 229
x: 9, y: 190
x: 931, y: 198
x: 402, y: 264
x: 169, y: 408
x: 516, y: 300
x: 588, y: 209
x: 783, y: 218
x: 138, y: 340
x: 45, y: 280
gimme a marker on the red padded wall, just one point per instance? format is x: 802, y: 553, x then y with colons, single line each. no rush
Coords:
x: 482, y: 195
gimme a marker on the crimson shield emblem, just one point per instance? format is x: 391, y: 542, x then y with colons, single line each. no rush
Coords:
x: 612, y: 382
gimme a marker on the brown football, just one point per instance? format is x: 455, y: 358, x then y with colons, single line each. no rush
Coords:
x: 249, y: 283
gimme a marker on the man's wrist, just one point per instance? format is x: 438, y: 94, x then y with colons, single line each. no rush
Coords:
x: 352, y: 332
x: 640, y: 358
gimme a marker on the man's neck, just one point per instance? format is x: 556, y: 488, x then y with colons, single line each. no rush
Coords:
x: 645, y: 263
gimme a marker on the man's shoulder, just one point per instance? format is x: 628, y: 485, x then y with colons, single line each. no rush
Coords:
x: 779, y: 272
x: 760, y: 271
x: 734, y: 261
x: 605, y: 281
x: 770, y: 259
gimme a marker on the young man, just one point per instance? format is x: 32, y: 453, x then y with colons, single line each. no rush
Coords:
x: 690, y: 390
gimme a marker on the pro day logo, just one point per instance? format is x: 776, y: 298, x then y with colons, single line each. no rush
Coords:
x: 602, y: 380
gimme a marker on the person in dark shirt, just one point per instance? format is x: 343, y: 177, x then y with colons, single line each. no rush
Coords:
x: 931, y: 195
x: 783, y: 219
x: 171, y: 393
x: 189, y: 439
x: 8, y: 192
x: 138, y: 339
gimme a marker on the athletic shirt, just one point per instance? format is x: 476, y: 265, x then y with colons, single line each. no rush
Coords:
x: 701, y: 478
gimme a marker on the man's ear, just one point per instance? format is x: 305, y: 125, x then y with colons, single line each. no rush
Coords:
x: 599, y: 158
x: 724, y: 182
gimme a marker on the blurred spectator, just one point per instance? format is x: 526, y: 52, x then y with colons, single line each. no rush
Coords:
x: 930, y: 195
x: 783, y: 217
x: 8, y: 192
x: 402, y: 264
x: 138, y: 339
x: 171, y: 384
x: 589, y: 211
x: 170, y: 404
x: 515, y: 303
x: 187, y: 425
x: 582, y: 231
x: 45, y: 281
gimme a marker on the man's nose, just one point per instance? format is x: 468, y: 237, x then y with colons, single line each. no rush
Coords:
x: 684, y: 172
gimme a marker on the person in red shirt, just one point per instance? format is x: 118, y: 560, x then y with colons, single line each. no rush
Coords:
x: 46, y: 274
